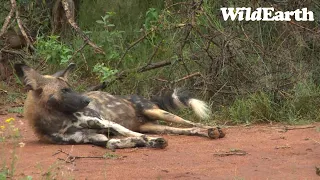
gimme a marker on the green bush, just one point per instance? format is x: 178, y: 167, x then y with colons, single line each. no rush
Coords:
x: 54, y: 51
x: 300, y: 105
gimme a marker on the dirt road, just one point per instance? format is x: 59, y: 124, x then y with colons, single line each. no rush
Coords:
x: 254, y: 152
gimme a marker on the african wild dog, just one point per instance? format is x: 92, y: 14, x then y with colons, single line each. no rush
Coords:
x: 60, y: 115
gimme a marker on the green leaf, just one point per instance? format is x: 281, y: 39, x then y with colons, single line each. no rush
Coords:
x: 100, y: 22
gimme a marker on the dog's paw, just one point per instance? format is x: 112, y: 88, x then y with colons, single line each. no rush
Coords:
x: 156, y: 142
x: 216, y: 133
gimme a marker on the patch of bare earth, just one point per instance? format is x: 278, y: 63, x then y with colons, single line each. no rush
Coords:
x: 254, y: 152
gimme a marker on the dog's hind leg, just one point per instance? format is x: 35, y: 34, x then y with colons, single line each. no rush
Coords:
x: 213, y: 133
x: 157, y: 114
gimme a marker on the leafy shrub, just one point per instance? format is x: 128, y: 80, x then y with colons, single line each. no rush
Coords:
x: 54, y: 51
x: 104, y: 73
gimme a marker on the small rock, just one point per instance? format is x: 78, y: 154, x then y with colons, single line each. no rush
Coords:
x: 19, y: 115
x: 318, y: 170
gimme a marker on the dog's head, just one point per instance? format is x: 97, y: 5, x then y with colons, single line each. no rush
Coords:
x: 52, y: 91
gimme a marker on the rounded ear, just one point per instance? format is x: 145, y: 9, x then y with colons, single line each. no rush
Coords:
x: 18, y: 69
x: 65, y: 73
x: 28, y: 76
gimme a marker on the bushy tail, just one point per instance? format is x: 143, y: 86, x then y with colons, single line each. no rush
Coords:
x: 182, y: 99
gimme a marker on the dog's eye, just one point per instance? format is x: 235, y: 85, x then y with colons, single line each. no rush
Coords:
x: 65, y: 90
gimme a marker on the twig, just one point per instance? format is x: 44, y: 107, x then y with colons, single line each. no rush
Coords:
x: 154, y: 53
x: 299, y: 127
x: 180, y: 54
x: 231, y: 153
x: 80, y: 49
x: 70, y: 158
x: 220, y: 89
x: 179, y: 3
x: 283, y: 147
x: 315, y: 141
x: 162, y: 80
x: 2, y: 90
x: 286, y: 128
x: 190, y: 26
x: 154, y: 66
x: 8, y: 18
x: 24, y: 56
x: 300, y: 26
x: 41, y: 64
x: 178, y: 80
x: 124, y: 74
x: 187, y: 77
x: 74, y: 25
x: 24, y: 34
x: 131, y: 46
x: 305, y: 28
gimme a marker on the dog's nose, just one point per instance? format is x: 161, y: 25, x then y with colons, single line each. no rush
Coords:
x: 86, y: 100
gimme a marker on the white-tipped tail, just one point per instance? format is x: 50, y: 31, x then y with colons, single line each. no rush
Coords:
x: 200, y: 108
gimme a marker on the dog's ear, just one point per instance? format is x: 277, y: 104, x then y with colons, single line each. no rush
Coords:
x: 65, y: 73
x: 31, y: 78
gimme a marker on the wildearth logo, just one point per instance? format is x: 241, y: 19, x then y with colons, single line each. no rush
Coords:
x: 266, y: 14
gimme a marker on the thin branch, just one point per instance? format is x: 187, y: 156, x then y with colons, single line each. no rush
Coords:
x: 182, y: 46
x: 154, y: 66
x: 175, y: 4
x: 194, y: 8
x: 70, y: 158
x: 2, y: 90
x: 231, y: 153
x: 315, y: 141
x: 305, y: 28
x: 220, y: 89
x: 24, y: 56
x: 187, y: 77
x: 178, y: 80
x: 300, y: 26
x: 74, y: 25
x: 298, y: 127
x: 24, y: 34
x: 131, y: 46
x: 287, y: 128
x: 161, y: 80
x: 79, y: 50
x: 8, y: 18
x: 124, y: 74
x: 154, y: 53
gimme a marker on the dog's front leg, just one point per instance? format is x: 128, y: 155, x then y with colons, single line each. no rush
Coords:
x: 91, y: 136
x: 91, y: 119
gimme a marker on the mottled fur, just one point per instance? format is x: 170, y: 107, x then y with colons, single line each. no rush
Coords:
x: 60, y: 115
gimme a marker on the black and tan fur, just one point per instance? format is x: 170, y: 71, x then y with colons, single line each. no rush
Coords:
x: 60, y: 115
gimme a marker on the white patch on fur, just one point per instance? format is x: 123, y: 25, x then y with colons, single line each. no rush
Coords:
x: 117, y: 103
x: 77, y: 137
x: 200, y: 108
x: 176, y: 100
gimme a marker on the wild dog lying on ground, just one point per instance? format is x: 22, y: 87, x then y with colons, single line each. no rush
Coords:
x: 60, y: 115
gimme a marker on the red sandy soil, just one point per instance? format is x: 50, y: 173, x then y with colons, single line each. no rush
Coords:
x: 255, y: 152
